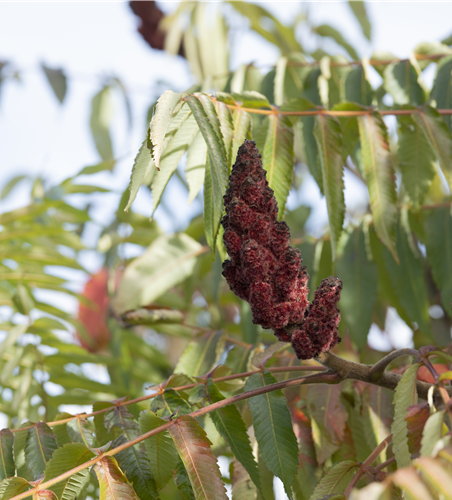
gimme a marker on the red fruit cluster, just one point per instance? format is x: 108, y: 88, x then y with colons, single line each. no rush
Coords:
x: 318, y: 332
x: 264, y: 269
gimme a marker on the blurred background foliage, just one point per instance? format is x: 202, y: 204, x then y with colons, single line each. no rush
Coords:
x: 51, y: 360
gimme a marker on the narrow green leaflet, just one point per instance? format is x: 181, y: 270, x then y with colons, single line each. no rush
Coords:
x: 162, y: 455
x: 57, y: 80
x: 200, y: 355
x: 165, y: 111
x: 408, y: 281
x: 227, y: 130
x: 172, y: 153
x: 113, y: 484
x: 416, y: 159
x: 260, y: 358
x: 442, y: 87
x: 183, y: 482
x: 7, y: 465
x: 328, y: 134
x: 13, y: 486
x: 328, y: 418
x: 273, y: 429
x: 170, y: 402
x: 230, y: 425
x: 143, y: 171
x: 405, y: 395
x: 433, y: 431
x: 101, y: 115
x: 195, y: 166
x: 200, y: 463
x: 380, y: 177
x: 217, y: 178
x: 135, y: 464
x: 335, y: 480
x: 167, y: 262
x: 79, y: 431
x: 19, y: 451
x: 377, y: 416
x: 39, y: 447
x: 439, y: 137
x: 357, y: 87
x: 359, y: 9
x: 401, y: 81
x: 242, y: 486
x: 238, y: 357
x: 251, y: 99
x: 66, y: 458
x: 326, y: 30
x: 359, y: 293
x: 278, y: 159
x: 438, y: 240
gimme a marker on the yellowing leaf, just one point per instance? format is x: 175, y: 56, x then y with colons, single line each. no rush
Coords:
x: 113, y: 484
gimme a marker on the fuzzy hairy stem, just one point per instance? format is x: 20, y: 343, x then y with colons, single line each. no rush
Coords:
x: 318, y: 378
x: 356, y: 371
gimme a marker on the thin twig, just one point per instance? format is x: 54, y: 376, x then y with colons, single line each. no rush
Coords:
x: 367, y: 463
x: 318, y: 378
x: 234, y: 376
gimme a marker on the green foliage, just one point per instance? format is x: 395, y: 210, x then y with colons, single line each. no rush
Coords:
x: 313, y: 114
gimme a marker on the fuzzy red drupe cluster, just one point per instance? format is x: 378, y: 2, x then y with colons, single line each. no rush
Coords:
x: 265, y: 270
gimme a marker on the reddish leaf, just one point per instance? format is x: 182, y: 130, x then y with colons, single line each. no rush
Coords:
x: 113, y: 484
x: 44, y: 495
x: 199, y: 461
x: 94, y: 316
x: 415, y: 418
x: 425, y: 376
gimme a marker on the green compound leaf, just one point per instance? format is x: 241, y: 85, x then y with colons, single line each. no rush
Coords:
x: 278, y: 159
x: 273, y: 429
x: 329, y: 143
x: 113, y: 484
x: 66, y: 458
x: 401, y: 81
x: 438, y: 240
x: 162, y: 455
x: 7, y: 465
x: 230, y: 425
x: 19, y: 451
x: 359, y: 276
x: 405, y: 396
x: 380, y: 177
x: 200, y: 463
x: 200, y: 355
x: 416, y: 159
x: 166, y: 109
x: 39, y: 447
x: 335, y: 480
